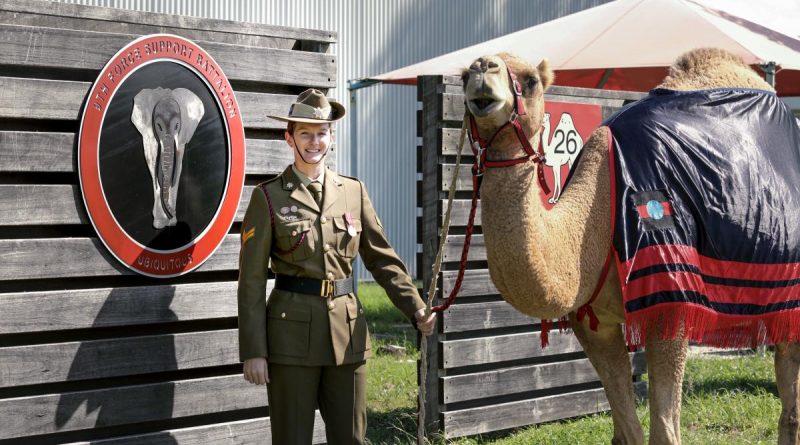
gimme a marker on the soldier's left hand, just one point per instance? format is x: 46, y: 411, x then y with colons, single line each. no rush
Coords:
x: 425, y: 326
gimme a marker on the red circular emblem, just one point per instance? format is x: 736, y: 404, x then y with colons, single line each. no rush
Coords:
x: 161, y: 155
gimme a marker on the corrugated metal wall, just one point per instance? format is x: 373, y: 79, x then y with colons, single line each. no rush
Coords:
x: 374, y: 37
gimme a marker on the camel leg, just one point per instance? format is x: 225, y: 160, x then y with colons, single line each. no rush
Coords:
x: 609, y: 356
x: 787, y: 376
x: 665, y: 365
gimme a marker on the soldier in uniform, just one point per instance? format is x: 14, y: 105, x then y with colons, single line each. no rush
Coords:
x: 309, y: 342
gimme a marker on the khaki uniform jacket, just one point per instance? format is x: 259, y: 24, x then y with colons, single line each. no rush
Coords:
x: 297, y: 329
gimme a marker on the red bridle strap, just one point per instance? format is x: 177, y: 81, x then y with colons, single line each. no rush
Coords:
x: 480, y: 145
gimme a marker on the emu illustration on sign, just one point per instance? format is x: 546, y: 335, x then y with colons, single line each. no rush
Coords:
x: 167, y: 120
x: 561, y: 148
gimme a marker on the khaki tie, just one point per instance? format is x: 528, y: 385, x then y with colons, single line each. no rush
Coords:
x: 316, y: 191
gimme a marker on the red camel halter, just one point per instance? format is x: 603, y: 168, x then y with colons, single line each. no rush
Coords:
x: 479, y: 148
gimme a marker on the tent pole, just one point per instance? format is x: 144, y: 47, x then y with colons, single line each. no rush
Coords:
x: 606, y: 75
x: 353, y: 133
x: 769, y: 71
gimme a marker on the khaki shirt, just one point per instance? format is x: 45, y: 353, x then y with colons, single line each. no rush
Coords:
x: 298, y: 329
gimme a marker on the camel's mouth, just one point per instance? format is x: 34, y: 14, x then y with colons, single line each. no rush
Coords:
x: 483, y: 106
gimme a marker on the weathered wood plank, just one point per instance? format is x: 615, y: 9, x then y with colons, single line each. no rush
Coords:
x: 569, y: 91
x: 25, y: 205
x: 22, y: 259
x: 53, y: 413
x: 502, y: 416
x: 520, y: 379
x: 40, y: 47
x: 267, y: 156
x: 430, y: 118
x: 140, y: 18
x: 502, y: 348
x: 25, y: 312
x: 41, y: 99
x: 47, y: 205
x: 243, y: 432
x: 479, y: 316
x: 61, y: 100
x: 27, y: 151
x: 257, y: 106
x: 453, y: 104
x: 453, y: 107
x: 455, y: 243
x: 449, y: 138
x: 584, y: 100
x: 51, y: 152
x: 464, y: 181
x: 557, y: 90
x: 41, y: 204
x: 73, y: 361
x: 49, y: 21
x: 476, y: 282
x: 460, y: 214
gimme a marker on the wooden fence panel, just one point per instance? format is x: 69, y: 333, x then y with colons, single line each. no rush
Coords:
x: 53, y: 152
x: 244, y: 432
x: 41, y: 47
x: 52, y: 413
x: 97, y: 359
x: 492, y: 372
x: 85, y: 257
x: 91, y: 352
x: 63, y: 310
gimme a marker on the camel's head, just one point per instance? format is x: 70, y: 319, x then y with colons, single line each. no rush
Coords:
x: 705, y: 68
x: 490, y: 97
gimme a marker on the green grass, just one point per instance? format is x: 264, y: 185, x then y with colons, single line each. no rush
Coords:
x: 726, y: 401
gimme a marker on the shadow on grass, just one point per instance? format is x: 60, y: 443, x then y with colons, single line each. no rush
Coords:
x: 398, y: 426
x: 716, y: 386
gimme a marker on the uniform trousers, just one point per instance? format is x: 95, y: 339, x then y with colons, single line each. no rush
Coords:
x: 339, y: 391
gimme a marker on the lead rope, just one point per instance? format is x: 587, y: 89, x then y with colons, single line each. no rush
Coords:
x: 437, y: 265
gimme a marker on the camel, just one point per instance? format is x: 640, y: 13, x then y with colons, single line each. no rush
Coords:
x: 566, y: 247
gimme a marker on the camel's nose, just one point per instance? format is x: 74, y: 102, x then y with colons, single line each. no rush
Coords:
x: 488, y: 65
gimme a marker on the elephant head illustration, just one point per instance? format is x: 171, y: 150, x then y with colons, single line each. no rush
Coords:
x: 167, y: 120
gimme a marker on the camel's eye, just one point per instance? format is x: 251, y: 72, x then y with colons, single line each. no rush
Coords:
x: 531, y: 82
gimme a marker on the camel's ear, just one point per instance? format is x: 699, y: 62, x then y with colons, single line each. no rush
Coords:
x: 546, y: 74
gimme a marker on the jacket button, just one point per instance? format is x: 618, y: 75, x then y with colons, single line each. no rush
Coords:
x: 331, y: 305
x: 330, y: 275
x: 283, y: 314
x: 323, y: 220
x: 326, y: 247
x: 294, y: 232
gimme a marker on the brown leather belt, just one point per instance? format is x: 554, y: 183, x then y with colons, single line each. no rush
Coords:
x: 311, y: 286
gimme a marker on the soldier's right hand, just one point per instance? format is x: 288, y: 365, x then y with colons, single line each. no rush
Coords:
x: 255, y: 371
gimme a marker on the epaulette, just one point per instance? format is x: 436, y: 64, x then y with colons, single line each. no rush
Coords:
x: 353, y: 178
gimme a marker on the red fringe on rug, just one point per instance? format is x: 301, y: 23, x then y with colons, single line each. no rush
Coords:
x: 544, y: 336
x: 701, y: 325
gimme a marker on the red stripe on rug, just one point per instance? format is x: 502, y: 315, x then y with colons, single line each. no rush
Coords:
x: 718, y: 293
x: 680, y: 254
